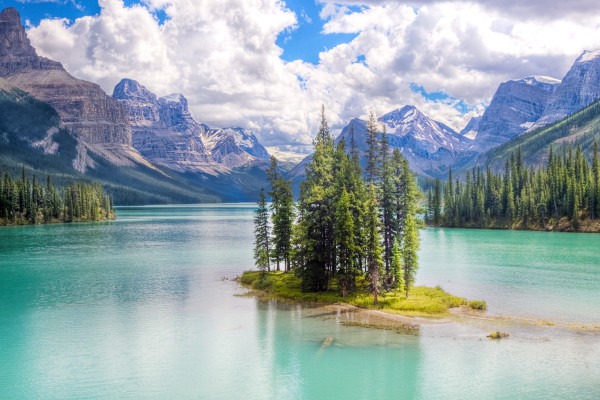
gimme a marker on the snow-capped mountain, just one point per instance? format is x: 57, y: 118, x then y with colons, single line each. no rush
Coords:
x: 578, y: 89
x: 408, y: 124
x: 165, y: 132
x: 246, y: 140
x: 430, y: 147
x: 515, y: 107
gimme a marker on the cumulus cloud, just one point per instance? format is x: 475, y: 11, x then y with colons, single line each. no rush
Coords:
x: 520, y: 9
x: 222, y: 55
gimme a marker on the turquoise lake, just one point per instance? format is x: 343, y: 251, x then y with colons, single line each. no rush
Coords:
x: 145, y: 307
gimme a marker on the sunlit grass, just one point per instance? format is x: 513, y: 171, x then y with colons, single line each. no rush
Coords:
x: 422, y: 301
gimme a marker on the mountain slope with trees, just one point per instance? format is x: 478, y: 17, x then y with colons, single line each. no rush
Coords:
x: 580, y: 129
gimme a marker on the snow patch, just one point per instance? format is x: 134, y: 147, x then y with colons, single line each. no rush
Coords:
x: 472, y: 134
x: 48, y: 145
x: 547, y: 79
x: 527, y: 125
x: 409, y: 116
x: 242, y: 137
x: 588, y: 56
x: 174, y: 97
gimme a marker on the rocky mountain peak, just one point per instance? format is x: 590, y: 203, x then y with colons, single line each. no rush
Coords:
x: 175, y: 98
x: 578, y: 89
x: 515, y: 107
x: 587, y: 56
x: 404, y: 115
x: 16, y: 53
x: 545, y: 83
x: 176, y: 106
x: 128, y: 89
x: 13, y: 39
x: 246, y: 140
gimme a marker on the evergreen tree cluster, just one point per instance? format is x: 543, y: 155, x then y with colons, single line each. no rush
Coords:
x: 345, y: 226
x: 25, y: 200
x: 567, y: 189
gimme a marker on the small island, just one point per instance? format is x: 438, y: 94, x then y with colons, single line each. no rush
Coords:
x: 351, y: 241
x: 423, y: 302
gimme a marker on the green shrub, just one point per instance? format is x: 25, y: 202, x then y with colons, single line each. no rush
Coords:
x: 248, y: 277
x: 262, y: 282
x: 498, y: 335
x: 477, y: 304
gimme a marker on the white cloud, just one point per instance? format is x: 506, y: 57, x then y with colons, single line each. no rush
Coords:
x: 223, y: 57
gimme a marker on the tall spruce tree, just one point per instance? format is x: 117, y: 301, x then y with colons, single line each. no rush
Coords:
x: 388, y: 208
x: 345, y: 243
x: 262, y: 237
x: 282, y: 211
x: 315, y: 251
x: 410, y: 246
x: 373, y: 152
x: 373, y: 243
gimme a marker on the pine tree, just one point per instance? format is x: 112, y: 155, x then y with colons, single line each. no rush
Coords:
x: 409, y: 253
x: 437, y: 202
x: 282, y: 211
x: 315, y: 244
x: 345, y: 246
x: 397, y: 270
x: 262, y: 236
x: 388, y: 208
x: 373, y: 244
x: 373, y: 154
x: 449, y: 201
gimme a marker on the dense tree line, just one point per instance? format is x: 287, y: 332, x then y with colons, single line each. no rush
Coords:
x: 559, y: 195
x: 26, y: 200
x: 345, y: 225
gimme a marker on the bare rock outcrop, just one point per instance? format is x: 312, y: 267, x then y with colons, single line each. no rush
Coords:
x: 84, y: 108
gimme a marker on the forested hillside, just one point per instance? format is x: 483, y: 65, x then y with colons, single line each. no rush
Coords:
x: 28, y: 201
x: 562, y: 195
x: 582, y: 129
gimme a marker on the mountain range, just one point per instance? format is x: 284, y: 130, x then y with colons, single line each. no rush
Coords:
x: 141, y: 147
x: 150, y: 149
x: 518, y: 107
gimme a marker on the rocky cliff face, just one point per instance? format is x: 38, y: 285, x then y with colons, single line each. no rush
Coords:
x: 470, y: 131
x: 16, y: 53
x: 163, y: 129
x: 165, y: 132
x: 83, y: 107
x: 515, y: 107
x: 246, y: 141
x: 224, y: 149
x: 578, y: 89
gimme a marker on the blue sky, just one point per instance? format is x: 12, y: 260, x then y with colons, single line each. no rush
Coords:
x: 36, y: 10
x: 307, y: 40
x: 304, y: 43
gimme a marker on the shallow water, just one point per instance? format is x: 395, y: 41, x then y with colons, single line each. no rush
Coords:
x: 138, y: 307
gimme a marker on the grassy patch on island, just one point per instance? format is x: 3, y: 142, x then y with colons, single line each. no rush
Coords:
x: 422, y: 301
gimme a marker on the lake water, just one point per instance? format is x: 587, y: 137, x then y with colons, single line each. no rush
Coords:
x: 143, y: 307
